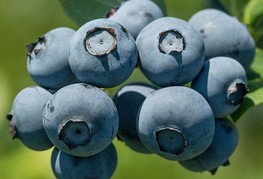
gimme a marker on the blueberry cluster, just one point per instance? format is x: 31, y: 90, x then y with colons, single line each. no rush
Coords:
x: 197, y: 70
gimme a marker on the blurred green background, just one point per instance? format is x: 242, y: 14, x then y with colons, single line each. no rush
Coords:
x: 21, y: 22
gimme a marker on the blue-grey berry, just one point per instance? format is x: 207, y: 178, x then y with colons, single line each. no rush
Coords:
x: 171, y: 51
x: 176, y: 123
x: 26, y: 118
x: 223, y: 83
x: 47, y: 60
x: 222, y: 147
x: 224, y: 35
x: 134, y: 15
x: 128, y: 100
x: 99, y: 166
x: 102, y: 53
x: 81, y: 119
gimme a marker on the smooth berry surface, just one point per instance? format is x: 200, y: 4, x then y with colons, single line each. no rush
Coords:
x: 135, y: 15
x: 171, y: 51
x: 47, y: 60
x: 128, y: 100
x: 223, y: 83
x: 222, y: 147
x: 224, y: 35
x: 100, y: 166
x: 81, y: 119
x: 176, y: 123
x: 25, y: 118
x: 102, y: 53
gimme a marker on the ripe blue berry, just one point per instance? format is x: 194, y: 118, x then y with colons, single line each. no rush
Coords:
x: 47, y: 60
x: 223, y: 83
x: 224, y: 35
x: 100, y: 166
x: 134, y: 15
x: 171, y: 51
x: 26, y: 118
x: 176, y: 123
x: 102, y: 53
x: 128, y: 100
x: 223, y: 145
x: 80, y: 119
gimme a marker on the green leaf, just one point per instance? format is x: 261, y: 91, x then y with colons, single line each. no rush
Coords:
x: 234, y: 7
x: 253, y: 17
x: 82, y: 11
x: 255, y: 85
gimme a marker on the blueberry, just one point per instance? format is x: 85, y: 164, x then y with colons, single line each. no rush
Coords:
x: 26, y: 118
x: 223, y: 145
x: 224, y: 35
x: 176, y: 123
x: 223, y: 82
x: 136, y: 14
x: 171, y: 51
x: 102, y: 53
x: 128, y: 100
x: 80, y: 119
x: 47, y: 59
x: 100, y: 166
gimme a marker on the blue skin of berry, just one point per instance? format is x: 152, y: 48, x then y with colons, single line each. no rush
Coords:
x: 75, y: 117
x: 136, y: 14
x: 213, y: 82
x: 100, y: 166
x: 47, y: 60
x: 222, y: 147
x: 128, y: 100
x: 171, y: 51
x: 176, y: 123
x: 25, y: 118
x: 224, y: 35
x: 102, y: 53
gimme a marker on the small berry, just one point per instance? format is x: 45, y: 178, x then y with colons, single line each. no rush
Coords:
x: 25, y: 118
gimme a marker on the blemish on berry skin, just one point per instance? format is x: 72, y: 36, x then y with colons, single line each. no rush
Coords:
x: 124, y: 30
x: 148, y: 15
x: 50, y: 107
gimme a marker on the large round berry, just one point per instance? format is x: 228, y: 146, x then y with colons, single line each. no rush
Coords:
x: 26, y: 118
x: 171, y: 51
x: 223, y: 145
x: 176, y: 123
x: 224, y: 35
x: 47, y: 59
x: 81, y: 119
x: 128, y: 100
x: 102, y: 53
x: 100, y: 166
x: 134, y: 15
x: 223, y: 83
